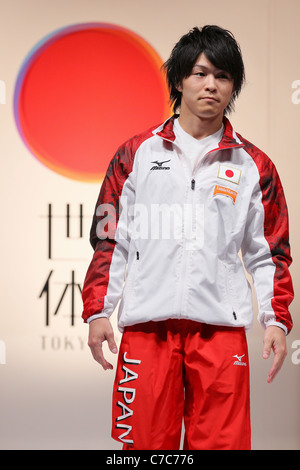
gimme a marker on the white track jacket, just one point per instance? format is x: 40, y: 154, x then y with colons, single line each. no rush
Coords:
x: 177, y: 238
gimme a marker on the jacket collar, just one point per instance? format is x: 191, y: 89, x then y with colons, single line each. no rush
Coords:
x: 229, y: 138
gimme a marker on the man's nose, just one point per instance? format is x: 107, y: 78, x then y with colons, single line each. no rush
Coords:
x: 210, y: 84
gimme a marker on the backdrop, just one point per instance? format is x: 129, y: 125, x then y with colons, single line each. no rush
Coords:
x: 77, y: 77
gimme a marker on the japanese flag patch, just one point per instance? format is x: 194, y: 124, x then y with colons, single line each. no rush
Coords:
x: 229, y: 173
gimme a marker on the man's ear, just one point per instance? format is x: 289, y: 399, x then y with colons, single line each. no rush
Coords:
x: 179, y: 87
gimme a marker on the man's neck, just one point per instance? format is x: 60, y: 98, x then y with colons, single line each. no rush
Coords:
x: 200, y: 128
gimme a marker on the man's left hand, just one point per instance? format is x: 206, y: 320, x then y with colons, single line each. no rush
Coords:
x: 274, y: 339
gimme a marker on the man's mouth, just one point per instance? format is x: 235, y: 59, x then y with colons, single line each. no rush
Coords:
x: 209, y: 98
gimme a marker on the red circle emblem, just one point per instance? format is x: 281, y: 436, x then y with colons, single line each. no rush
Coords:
x: 82, y: 92
x: 229, y: 173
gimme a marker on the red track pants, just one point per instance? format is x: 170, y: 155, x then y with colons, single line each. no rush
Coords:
x: 182, y: 370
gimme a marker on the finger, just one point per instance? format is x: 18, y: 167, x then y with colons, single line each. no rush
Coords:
x: 99, y: 357
x: 273, y: 371
x: 97, y: 353
x: 112, y: 344
x: 267, y: 349
x: 276, y: 366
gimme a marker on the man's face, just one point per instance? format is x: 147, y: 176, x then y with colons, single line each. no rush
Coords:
x: 206, y: 92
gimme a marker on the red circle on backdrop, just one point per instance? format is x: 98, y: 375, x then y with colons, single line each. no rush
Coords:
x: 229, y: 173
x: 83, y: 91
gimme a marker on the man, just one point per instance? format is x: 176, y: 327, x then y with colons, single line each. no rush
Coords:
x: 188, y: 196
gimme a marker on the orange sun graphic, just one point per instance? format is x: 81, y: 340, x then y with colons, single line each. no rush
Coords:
x: 84, y: 90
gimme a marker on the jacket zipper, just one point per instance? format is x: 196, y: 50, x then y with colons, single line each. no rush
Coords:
x: 230, y: 290
x: 184, y: 267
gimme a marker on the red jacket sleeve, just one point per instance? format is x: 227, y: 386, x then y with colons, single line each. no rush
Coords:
x: 267, y: 248
x: 102, y: 236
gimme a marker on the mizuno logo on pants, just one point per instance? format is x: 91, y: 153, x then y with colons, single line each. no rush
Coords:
x: 239, y: 360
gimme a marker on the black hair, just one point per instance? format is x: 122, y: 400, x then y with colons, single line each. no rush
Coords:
x: 220, y: 48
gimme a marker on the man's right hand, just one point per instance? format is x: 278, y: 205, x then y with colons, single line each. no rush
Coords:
x: 100, y: 330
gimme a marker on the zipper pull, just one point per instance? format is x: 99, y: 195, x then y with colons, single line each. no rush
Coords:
x: 137, y: 255
x: 193, y: 184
